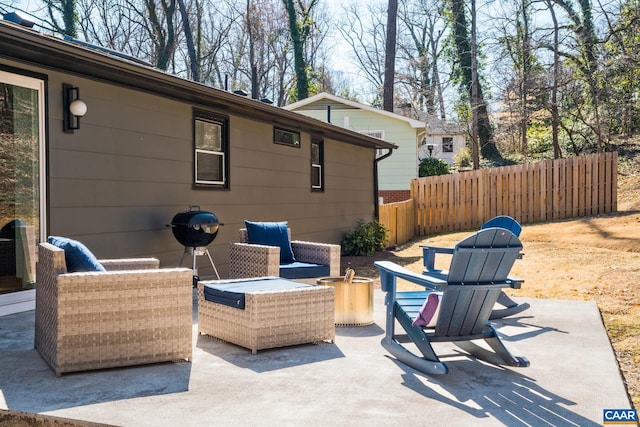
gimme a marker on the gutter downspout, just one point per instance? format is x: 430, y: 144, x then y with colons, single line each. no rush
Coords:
x: 376, y: 210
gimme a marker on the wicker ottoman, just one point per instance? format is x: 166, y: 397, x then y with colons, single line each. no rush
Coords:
x: 295, y: 314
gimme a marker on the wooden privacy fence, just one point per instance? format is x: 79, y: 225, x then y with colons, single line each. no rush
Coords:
x: 399, y: 219
x: 535, y: 192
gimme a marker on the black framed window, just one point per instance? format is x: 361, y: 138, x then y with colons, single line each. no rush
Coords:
x: 447, y: 144
x: 211, y: 150
x: 286, y: 137
x: 317, y: 165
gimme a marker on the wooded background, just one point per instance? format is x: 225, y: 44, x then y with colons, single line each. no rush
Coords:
x: 532, y: 78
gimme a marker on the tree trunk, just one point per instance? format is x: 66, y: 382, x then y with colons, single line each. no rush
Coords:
x: 191, y: 48
x: 302, y: 80
x: 524, y: 81
x: 463, y: 49
x: 67, y: 9
x: 164, y: 40
x: 474, y: 90
x: 390, y: 56
x: 555, y: 117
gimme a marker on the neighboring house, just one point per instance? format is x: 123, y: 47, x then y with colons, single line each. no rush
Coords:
x: 412, y: 136
x: 150, y: 145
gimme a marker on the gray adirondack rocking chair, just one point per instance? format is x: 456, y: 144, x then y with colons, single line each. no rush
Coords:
x: 506, y: 306
x: 479, y: 271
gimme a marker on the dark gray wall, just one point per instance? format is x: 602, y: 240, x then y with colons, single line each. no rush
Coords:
x: 117, y: 181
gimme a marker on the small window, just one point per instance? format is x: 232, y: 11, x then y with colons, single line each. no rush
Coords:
x: 211, y: 158
x: 447, y: 144
x: 317, y: 163
x: 373, y: 133
x: 286, y: 137
x: 376, y: 134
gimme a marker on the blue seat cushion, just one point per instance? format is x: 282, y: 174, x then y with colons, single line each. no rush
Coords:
x: 233, y: 293
x: 303, y: 270
x: 77, y: 256
x: 271, y: 234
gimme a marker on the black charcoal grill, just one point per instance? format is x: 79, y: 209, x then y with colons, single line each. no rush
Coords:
x: 195, y: 229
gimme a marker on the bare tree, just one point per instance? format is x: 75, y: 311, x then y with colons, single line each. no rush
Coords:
x: 525, y: 77
x: 555, y: 116
x: 464, y: 71
x: 424, y: 27
x: 65, y: 10
x: 300, y: 24
x: 475, y: 85
x: 586, y: 59
x: 367, y: 38
x: 157, y: 20
x: 194, y: 60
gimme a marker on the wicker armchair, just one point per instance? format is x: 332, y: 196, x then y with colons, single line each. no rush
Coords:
x: 134, y: 313
x: 252, y: 260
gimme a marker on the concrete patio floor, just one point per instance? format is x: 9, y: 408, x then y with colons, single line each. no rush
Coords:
x: 353, y: 382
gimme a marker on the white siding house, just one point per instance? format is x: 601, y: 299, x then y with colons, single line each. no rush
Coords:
x: 412, y: 137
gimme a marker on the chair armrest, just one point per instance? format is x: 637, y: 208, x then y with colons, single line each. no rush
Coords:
x: 390, y: 271
x: 118, y: 275
x: 429, y: 255
x: 130, y: 264
x: 438, y: 274
x: 251, y: 260
x: 318, y: 253
x: 121, y: 287
x: 515, y: 282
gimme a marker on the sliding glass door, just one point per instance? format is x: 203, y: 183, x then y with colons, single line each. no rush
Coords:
x: 21, y: 180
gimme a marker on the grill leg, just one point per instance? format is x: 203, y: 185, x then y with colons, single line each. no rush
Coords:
x: 212, y: 264
x: 196, y: 278
x: 196, y: 252
x: 193, y: 251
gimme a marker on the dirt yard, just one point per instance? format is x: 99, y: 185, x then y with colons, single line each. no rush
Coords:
x: 594, y: 258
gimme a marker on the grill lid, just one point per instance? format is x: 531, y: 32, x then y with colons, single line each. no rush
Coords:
x: 195, y: 227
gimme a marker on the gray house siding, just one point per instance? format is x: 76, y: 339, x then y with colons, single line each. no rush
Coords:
x: 116, y: 182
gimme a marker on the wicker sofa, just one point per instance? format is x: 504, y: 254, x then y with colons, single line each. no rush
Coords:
x: 254, y: 260
x: 134, y: 313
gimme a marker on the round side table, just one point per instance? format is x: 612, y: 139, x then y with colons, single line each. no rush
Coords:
x: 353, y: 301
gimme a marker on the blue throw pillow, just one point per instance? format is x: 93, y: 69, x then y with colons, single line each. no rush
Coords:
x: 76, y: 255
x: 271, y: 234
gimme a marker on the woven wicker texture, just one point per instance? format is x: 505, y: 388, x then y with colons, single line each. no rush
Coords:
x: 271, y: 318
x: 96, y: 320
x: 251, y: 260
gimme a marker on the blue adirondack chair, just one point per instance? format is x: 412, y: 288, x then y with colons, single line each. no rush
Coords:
x: 506, y: 305
x: 503, y: 221
x: 478, y: 272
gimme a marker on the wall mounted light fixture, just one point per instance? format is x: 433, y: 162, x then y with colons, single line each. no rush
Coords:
x: 72, y: 107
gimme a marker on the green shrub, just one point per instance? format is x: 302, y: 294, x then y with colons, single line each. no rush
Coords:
x: 431, y: 166
x: 365, y: 239
x: 462, y: 159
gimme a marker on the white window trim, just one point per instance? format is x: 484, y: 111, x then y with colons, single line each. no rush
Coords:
x: 376, y: 134
x: 223, y: 122
x: 17, y: 302
x: 215, y: 153
x: 319, y: 167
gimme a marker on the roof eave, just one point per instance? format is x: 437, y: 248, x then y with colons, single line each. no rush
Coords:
x: 28, y: 46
